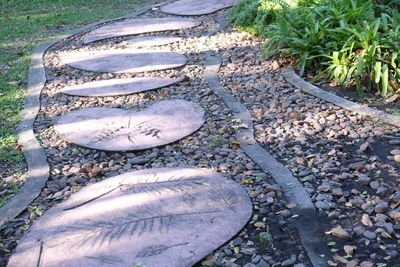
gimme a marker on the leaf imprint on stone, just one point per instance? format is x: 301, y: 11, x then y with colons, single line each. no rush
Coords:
x: 156, y: 250
x: 99, y: 233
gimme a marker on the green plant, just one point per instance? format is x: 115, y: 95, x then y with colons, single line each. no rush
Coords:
x: 265, y: 239
x: 14, y: 189
x: 348, y: 41
x: 216, y: 141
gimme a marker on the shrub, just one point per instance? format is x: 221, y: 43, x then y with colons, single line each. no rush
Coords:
x: 348, y: 41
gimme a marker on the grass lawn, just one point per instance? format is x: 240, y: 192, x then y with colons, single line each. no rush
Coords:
x: 25, y: 24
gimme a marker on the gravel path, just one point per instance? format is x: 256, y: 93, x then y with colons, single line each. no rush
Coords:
x: 343, y: 160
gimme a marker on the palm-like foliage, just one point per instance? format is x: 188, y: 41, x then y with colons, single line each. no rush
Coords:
x: 349, y: 41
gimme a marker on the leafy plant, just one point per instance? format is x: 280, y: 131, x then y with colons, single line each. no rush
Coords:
x: 349, y: 41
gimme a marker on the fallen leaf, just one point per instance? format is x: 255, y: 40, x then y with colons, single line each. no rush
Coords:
x: 19, y: 147
x: 339, y: 259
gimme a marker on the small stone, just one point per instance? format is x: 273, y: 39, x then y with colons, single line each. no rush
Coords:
x: 364, y: 180
x: 366, y: 220
x: 368, y: 208
x: 353, y: 263
x: 249, y: 265
x: 259, y: 224
x: 263, y: 263
x: 290, y: 261
x: 357, y: 166
x: 389, y: 228
x: 381, y: 207
x: 87, y: 167
x: 299, y: 160
x: 339, y: 232
x: 392, y: 253
x: 366, y: 264
x: 359, y: 230
x: 333, y: 215
x: 396, y: 158
x: 337, y: 192
x: 322, y: 205
x: 374, y: 184
x: 395, y: 152
x: 95, y: 171
x: 369, y: 235
x: 349, y: 249
x: 340, y: 259
x: 394, y: 215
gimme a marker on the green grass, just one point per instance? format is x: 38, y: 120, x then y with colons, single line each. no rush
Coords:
x: 24, y: 24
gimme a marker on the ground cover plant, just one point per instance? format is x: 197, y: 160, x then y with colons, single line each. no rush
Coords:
x: 24, y: 24
x: 353, y: 42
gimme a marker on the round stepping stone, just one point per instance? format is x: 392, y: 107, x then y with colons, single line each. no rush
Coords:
x: 155, y: 217
x: 195, y: 7
x: 114, y: 129
x: 123, y: 60
x: 116, y: 87
x: 147, y: 41
x: 138, y: 26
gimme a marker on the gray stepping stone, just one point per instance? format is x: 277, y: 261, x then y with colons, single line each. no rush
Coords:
x: 116, y: 87
x: 155, y: 217
x: 147, y: 41
x: 123, y: 60
x: 196, y: 7
x: 114, y: 129
x: 138, y: 26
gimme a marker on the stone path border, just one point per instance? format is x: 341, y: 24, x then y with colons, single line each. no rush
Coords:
x: 295, y: 80
x: 306, y: 223
x: 38, y: 167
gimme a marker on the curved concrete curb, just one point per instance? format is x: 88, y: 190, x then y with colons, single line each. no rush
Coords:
x: 295, y: 80
x: 38, y: 167
x: 307, y: 222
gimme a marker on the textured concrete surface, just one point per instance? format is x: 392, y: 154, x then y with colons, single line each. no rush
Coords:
x: 123, y: 60
x: 155, y: 217
x: 115, y: 129
x: 195, y: 8
x: 114, y: 87
x: 138, y: 26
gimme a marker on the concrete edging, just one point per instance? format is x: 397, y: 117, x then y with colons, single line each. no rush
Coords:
x: 306, y: 223
x: 38, y: 167
x: 291, y: 77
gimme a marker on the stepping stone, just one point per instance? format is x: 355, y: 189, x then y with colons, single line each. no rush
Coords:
x: 154, y: 217
x: 147, y: 41
x: 123, y: 60
x: 115, y: 87
x: 114, y: 129
x: 195, y: 7
x: 138, y: 26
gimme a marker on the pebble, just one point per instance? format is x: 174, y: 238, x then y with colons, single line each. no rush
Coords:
x: 290, y: 261
x: 381, y: 207
x: 366, y: 220
x: 394, y: 215
x: 341, y: 233
x: 369, y: 235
